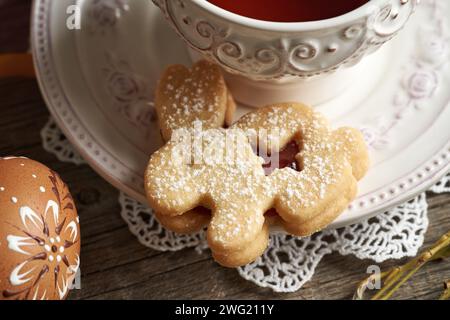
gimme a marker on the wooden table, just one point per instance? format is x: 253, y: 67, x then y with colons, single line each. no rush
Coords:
x: 114, y: 265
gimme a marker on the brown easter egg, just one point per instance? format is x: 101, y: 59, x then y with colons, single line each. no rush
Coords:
x: 39, y: 232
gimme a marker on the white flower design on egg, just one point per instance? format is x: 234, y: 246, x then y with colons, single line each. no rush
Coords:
x: 53, y: 249
x: 44, y: 242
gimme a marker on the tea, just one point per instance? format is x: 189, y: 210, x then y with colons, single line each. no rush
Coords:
x: 289, y: 10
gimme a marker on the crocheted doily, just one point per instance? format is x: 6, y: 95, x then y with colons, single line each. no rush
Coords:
x: 289, y: 262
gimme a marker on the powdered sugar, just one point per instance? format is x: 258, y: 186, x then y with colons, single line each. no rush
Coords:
x: 186, y: 95
x: 238, y: 191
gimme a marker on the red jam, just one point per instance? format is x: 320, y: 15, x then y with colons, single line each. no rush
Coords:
x: 285, y: 158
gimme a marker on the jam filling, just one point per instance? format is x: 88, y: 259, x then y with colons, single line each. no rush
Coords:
x: 271, y: 213
x: 203, y: 211
x: 285, y: 158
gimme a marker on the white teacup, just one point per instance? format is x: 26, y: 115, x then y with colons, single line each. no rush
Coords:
x: 270, y: 62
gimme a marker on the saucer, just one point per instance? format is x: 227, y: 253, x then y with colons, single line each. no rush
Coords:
x: 98, y: 83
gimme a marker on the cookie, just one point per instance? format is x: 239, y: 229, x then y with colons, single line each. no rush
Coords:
x: 329, y: 162
x: 239, y: 193
x: 280, y: 164
x: 185, y: 95
x: 190, y: 222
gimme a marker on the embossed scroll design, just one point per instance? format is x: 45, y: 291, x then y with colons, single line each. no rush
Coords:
x: 319, y: 53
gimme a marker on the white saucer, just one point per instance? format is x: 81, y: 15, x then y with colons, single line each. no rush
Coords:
x: 98, y: 83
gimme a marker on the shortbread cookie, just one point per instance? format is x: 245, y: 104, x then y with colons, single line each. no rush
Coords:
x: 303, y: 197
x: 331, y: 162
x: 190, y: 222
x: 185, y: 95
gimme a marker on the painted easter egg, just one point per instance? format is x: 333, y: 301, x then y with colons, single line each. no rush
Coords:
x: 39, y: 232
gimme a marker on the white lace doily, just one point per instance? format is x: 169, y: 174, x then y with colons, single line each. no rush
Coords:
x: 289, y: 262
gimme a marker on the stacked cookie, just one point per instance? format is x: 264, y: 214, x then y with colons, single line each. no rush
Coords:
x: 279, y: 165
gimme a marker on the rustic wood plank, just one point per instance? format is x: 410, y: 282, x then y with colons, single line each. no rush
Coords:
x: 336, y: 278
x: 115, y: 265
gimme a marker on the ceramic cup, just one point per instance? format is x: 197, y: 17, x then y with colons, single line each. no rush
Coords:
x: 269, y: 62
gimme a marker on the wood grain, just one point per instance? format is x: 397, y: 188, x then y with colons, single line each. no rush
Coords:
x: 115, y: 266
